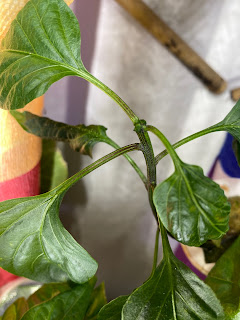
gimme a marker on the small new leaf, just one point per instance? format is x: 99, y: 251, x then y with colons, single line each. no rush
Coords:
x: 98, y: 300
x: 54, y: 169
x: 47, y: 292
x: 41, y: 47
x: 16, y: 310
x: 113, y: 310
x: 81, y: 138
x: 34, y: 244
x: 224, y: 279
x: 71, y: 304
x: 174, y: 292
x: 191, y: 206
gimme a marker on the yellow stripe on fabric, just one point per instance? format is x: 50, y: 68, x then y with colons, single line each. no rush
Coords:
x: 20, y: 151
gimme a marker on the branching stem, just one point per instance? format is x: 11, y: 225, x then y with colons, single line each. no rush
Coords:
x: 75, y: 178
x: 130, y: 160
x: 196, y: 135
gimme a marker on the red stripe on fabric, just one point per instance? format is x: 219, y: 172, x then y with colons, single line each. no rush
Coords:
x: 24, y: 186
x: 6, y: 277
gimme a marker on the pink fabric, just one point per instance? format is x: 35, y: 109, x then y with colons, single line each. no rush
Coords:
x: 23, y: 186
x: 6, y: 277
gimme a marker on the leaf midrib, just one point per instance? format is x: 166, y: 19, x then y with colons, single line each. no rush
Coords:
x: 51, y: 61
x: 26, y: 213
x: 196, y: 202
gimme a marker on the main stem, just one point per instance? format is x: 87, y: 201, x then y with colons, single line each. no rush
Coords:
x: 146, y: 147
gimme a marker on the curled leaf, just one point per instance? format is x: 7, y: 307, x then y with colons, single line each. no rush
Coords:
x: 81, y: 138
x: 34, y: 243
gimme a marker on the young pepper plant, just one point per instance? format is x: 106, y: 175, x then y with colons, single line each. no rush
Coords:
x: 41, y: 47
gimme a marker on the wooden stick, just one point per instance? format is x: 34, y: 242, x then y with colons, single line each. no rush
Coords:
x: 235, y: 94
x: 160, y: 30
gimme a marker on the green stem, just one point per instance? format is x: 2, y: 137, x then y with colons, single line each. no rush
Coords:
x: 196, y: 135
x: 167, y: 250
x: 155, y: 258
x: 168, y: 146
x: 146, y: 147
x: 89, y: 77
x: 130, y: 160
x: 75, y: 178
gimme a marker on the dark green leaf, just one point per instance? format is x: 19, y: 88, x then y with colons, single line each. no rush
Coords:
x: 34, y: 243
x: 236, y: 150
x: 81, y: 138
x: 41, y: 47
x: 47, y: 292
x: 224, y: 279
x: 213, y: 249
x: 54, y: 169
x: 231, y: 123
x: 70, y: 304
x: 98, y: 300
x: 191, y: 206
x: 174, y: 292
x: 113, y: 310
x: 16, y: 310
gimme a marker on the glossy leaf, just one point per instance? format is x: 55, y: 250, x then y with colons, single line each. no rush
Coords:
x: 47, y: 292
x: 113, y: 310
x: 16, y: 310
x: 236, y: 150
x: 81, y: 138
x: 231, y: 123
x: 34, y: 243
x: 224, y: 279
x: 41, y: 47
x: 54, y: 169
x: 214, y: 249
x: 98, y: 300
x: 191, y: 206
x: 174, y: 292
x: 71, y: 304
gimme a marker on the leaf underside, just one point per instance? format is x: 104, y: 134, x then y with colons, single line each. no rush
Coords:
x: 191, y: 206
x: 81, y: 138
x: 34, y: 243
